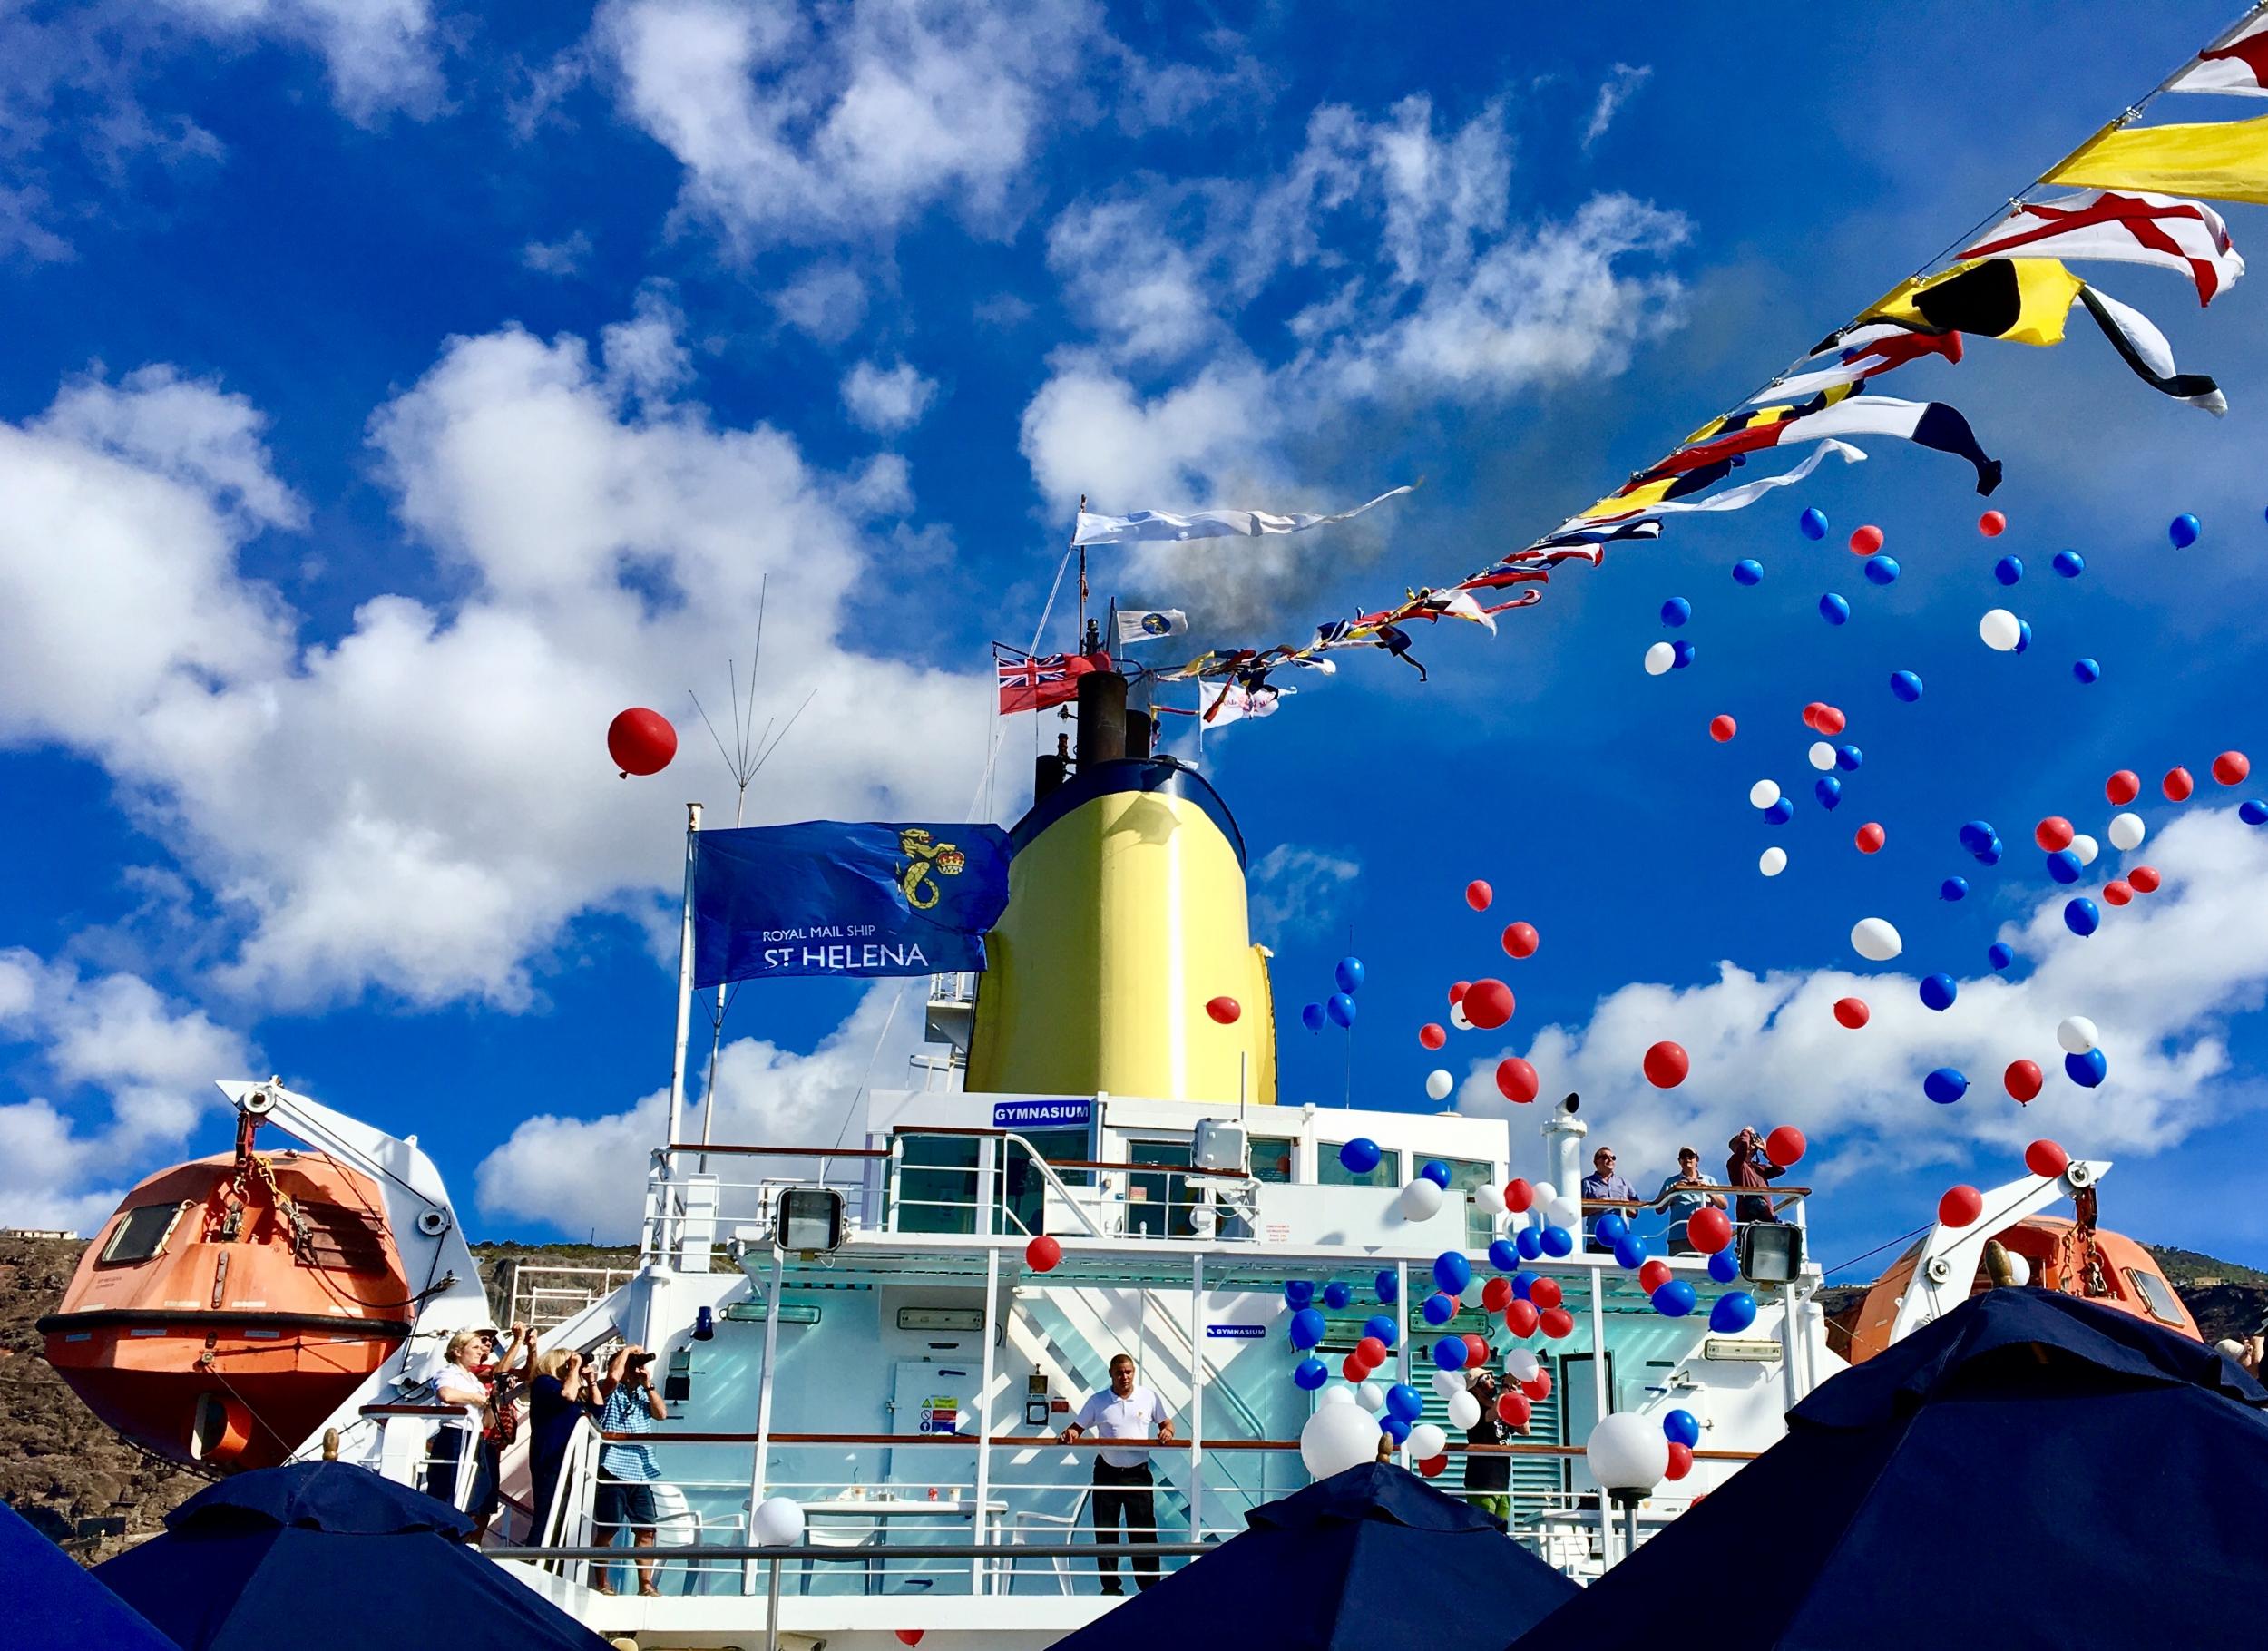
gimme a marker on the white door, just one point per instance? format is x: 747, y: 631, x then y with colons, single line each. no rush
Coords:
x: 932, y: 1400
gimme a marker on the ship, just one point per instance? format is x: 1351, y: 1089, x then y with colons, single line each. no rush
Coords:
x: 892, y: 1333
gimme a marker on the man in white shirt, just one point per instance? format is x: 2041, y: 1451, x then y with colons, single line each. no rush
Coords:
x: 1122, y: 1478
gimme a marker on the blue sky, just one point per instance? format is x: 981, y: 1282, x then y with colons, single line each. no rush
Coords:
x: 392, y: 399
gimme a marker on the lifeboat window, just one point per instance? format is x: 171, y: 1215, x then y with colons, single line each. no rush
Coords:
x: 141, y: 1234
x: 1330, y: 1172
x: 2156, y: 1296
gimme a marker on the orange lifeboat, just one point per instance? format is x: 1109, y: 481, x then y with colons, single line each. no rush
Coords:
x: 231, y: 1305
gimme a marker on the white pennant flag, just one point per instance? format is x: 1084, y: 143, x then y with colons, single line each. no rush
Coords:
x: 1147, y: 525
x: 2239, y: 65
x: 1148, y: 625
x: 2187, y: 237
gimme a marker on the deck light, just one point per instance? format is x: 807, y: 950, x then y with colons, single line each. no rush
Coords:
x: 1771, y: 1252
x: 810, y: 1219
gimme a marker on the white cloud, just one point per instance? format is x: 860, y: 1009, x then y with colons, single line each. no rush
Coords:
x: 1621, y: 84
x: 380, y: 55
x: 888, y: 401
x: 565, y: 257
x: 2160, y: 979
x: 1293, y: 889
x: 826, y: 300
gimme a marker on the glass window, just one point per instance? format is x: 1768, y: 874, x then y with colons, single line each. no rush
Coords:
x: 141, y: 1234
x: 937, y: 1184
x: 1330, y: 1172
x: 1273, y: 1157
x: 1156, y: 1204
x: 2156, y: 1296
x: 1024, y: 1191
x: 1464, y: 1174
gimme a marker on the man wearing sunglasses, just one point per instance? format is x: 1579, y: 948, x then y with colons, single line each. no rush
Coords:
x: 1600, y: 1185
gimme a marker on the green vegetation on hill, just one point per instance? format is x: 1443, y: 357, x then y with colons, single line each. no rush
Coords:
x: 2184, y: 1267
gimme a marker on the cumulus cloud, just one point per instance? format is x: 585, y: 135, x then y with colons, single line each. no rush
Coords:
x: 1293, y: 889
x: 1621, y: 84
x: 564, y: 257
x: 380, y: 55
x: 889, y: 400
x: 2160, y: 979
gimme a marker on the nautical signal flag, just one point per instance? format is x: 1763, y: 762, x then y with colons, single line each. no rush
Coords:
x: 2237, y: 65
x: 1032, y: 683
x: 1143, y: 625
x: 2224, y: 162
x: 2021, y: 299
x: 2186, y: 237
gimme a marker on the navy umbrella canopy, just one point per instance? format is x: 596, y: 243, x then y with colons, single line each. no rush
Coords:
x: 331, y: 1553
x: 52, y: 1602
x: 2030, y: 1470
x: 1370, y: 1559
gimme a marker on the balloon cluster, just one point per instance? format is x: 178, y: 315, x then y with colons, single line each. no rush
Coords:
x: 1338, y: 1009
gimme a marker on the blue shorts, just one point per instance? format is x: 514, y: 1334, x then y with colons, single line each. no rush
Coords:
x: 623, y: 1503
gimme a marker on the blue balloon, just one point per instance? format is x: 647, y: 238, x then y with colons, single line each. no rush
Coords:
x: 1403, y: 1402
x: 1989, y: 854
x: 1503, y: 1256
x: 2082, y: 916
x: 2064, y: 867
x: 1309, y: 1327
x: 1558, y: 1241
x: 2087, y: 1070
x: 1386, y: 1287
x: 1336, y: 1296
x: 1439, y: 1309
x: 1361, y: 1155
x: 1298, y: 1293
x: 2086, y: 671
x: 1829, y: 791
x: 1395, y: 1429
x: 1999, y: 955
x: 1522, y: 1282
x: 1945, y: 1086
x: 1748, y: 571
x: 1812, y: 521
x: 2252, y: 812
x: 1834, y: 609
x: 2182, y: 531
x: 1882, y: 570
x: 1383, y: 1327
x: 1311, y: 1374
x: 1350, y: 974
x: 1680, y: 1428
x: 1953, y: 888
x: 2023, y: 635
x: 1849, y: 757
x: 1978, y: 835
x: 1735, y: 1310
x: 1674, y: 1299
x: 1452, y: 1271
x: 1906, y: 685
x: 1342, y: 1008
x: 1437, y: 1172
x: 1611, y: 1229
x: 1529, y: 1241
x: 2069, y: 563
x: 1449, y: 1352
x: 1779, y: 813
x: 1630, y: 1252
x: 1680, y: 654
x: 1938, y: 991
x: 1311, y: 1017
x: 1724, y: 1265
x: 2009, y: 570
x: 1676, y: 612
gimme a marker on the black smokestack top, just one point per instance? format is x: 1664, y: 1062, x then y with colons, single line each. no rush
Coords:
x: 1142, y: 735
x: 1102, y: 718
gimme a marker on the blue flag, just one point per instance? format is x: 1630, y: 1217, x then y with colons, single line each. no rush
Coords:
x: 825, y: 897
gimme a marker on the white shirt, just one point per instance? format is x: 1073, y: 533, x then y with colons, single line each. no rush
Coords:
x: 1135, y: 1416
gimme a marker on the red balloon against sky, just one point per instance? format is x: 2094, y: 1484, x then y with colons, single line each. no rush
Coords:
x: 2046, y: 1157
x: 1478, y: 895
x: 1432, y: 1034
x: 1225, y: 1009
x: 1722, y: 728
x: 2145, y: 879
x: 2053, y: 832
x: 1521, y: 939
x: 2231, y: 768
x: 2177, y: 784
x: 1992, y: 524
x: 1870, y: 837
x: 1666, y: 1065
x: 2123, y: 786
x: 1785, y: 1145
x: 1866, y: 541
x: 1516, y: 1079
x: 1851, y: 1012
x: 2118, y: 891
x: 1457, y: 990
x: 1824, y: 718
x: 640, y: 741
x: 1487, y: 1004
x: 1960, y: 1207
x: 2021, y: 1079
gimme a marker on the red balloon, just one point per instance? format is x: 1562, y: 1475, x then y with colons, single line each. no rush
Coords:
x: 1519, y: 1195
x: 2046, y: 1157
x: 1852, y: 1013
x: 1786, y: 1146
x: 1960, y: 1206
x: 2118, y: 891
x: 1824, y: 718
x: 1521, y: 939
x: 2177, y: 784
x: 1432, y: 1034
x: 640, y: 741
x: 1225, y: 1011
x: 1496, y: 1294
x: 1653, y: 1274
x: 1476, y: 1351
x: 1722, y: 728
x: 2123, y: 786
x: 1666, y: 1065
x: 1433, y: 1467
x: 1680, y: 1460
x: 1355, y: 1369
x: 1992, y: 524
x: 1870, y: 837
x: 1545, y: 1293
x: 1708, y: 1230
x: 1370, y: 1351
x: 2145, y: 879
x: 2231, y: 768
x: 1041, y: 1254
x: 1457, y: 991
x: 1487, y: 1004
x: 1478, y: 895
x: 1514, y: 1408
x: 909, y: 1637
x: 1519, y: 1318
x: 2022, y: 1080
x: 2053, y: 832
x: 1556, y: 1322
x: 1538, y: 1387
x: 1866, y: 541
x: 1516, y: 1081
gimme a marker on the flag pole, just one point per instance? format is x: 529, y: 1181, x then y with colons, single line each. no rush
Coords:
x: 685, y: 981
x: 1078, y: 637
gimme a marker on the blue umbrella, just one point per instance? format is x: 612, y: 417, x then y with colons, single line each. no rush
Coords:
x: 53, y: 1602
x: 331, y: 1553
x: 1372, y: 1558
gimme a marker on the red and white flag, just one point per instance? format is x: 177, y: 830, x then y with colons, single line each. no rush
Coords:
x: 2186, y: 237
x: 1034, y: 682
x: 2239, y: 65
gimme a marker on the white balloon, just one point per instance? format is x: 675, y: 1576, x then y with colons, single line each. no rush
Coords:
x: 1873, y: 939
x: 1338, y: 1395
x: 1771, y: 861
x: 1464, y: 1413
x: 1457, y: 1018
x: 1822, y: 754
x: 2077, y: 1034
x: 1470, y: 1297
x: 1438, y: 1084
x: 1427, y: 1442
x: 1338, y: 1437
x: 1627, y: 1452
x: 1371, y: 1397
x: 1565, y: 1212
x: 1544, y: 1192
x: 1448, y: 1383
x: 778, y: 1521
x: 1489, y: 1199
x: 1659, y: 658
x: 1421, y: 1200
x: 2127, y: 830
x: 2019, y: 1269
x: 1521, y: 1365
x: 1763, y: 794
x: 2086, y: 848
x: 2001, y: 631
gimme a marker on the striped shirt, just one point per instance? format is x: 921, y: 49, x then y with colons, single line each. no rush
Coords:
x: 626, y: 1412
